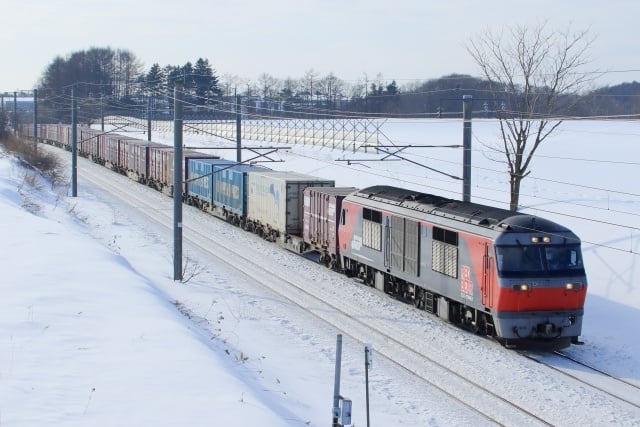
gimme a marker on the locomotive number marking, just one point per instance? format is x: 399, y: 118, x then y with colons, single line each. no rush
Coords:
x: 466, y: 285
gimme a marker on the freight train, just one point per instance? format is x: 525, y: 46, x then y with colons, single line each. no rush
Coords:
x: 518, y: 278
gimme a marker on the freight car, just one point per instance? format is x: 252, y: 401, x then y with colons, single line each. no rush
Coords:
x: 89, y: 142
x: 220, y: 188
x: 276, y: 201
x: 517, y: 277
x: 322, y: 206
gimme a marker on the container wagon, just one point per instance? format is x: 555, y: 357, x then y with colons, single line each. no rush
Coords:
x: 276, y: 205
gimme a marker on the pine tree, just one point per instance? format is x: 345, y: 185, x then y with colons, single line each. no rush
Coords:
x: 155, y: 78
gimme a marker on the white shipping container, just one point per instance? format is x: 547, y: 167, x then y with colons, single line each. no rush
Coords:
x: 276, y: 198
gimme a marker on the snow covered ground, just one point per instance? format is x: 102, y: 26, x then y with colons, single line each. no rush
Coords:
x: 93, y: 331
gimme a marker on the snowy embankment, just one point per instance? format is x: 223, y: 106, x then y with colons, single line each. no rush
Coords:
x: 86, y: 340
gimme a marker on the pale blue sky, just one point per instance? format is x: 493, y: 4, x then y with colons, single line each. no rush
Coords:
x: 402, y: 39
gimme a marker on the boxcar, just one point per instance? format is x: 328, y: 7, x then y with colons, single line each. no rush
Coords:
x: 61, y: 134
x: 161, y: 167
x: 88, y: 142
x: 139, y: 160
x: 110, y: 150
x: 322, y: 207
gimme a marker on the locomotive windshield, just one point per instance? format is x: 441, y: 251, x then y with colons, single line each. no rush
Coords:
x: 547, y: 260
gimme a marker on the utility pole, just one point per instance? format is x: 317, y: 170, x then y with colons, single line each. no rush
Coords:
x: 238, y: 129
x: 74, y: 143
x: 15, y: 113
x: 466, y: 140
x: 35, y: 124
x: 149, y: 118
x: 177, y: 180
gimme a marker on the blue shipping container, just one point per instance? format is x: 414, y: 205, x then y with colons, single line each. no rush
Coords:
x: 230, y: 186
x: 200, y: 177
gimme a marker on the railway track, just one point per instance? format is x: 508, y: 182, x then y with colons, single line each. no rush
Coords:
x: 591, y: 376
x: 400, y: 345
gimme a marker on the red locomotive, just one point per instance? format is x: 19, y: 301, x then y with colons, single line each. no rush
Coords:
x: 517, y: 277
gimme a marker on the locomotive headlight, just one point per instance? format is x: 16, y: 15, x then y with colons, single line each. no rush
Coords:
x: 546, y: 239
x: 522, y: 287
x: 573, y: 286
x: 535, y: 239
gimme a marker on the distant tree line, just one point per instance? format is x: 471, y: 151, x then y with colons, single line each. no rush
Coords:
x: 114, y: 81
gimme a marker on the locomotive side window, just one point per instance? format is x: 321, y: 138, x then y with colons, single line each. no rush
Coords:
x: 371, y: 215
x: 444, y: 248
x: 372, y: 229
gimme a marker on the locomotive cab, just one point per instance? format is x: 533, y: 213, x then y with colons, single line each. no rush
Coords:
x: 542, y: 281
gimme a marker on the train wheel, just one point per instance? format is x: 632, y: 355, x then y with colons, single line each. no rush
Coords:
x: 481, y: 324
x: 348, y: 268
x: 325, y: 259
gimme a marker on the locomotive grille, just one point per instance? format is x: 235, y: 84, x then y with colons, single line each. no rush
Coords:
x: 445, y: 258
x: 430, y: 302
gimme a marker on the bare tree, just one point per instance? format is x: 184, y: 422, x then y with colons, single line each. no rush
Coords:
x: 308, y: 84
x: 533, y: 72
x: 229, y: 84
x: 332, y: 88
x: 126, y: 70
x: 269, y: 85
x: 289, y: 88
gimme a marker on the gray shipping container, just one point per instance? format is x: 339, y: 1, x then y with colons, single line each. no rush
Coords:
x: 276, y: 198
